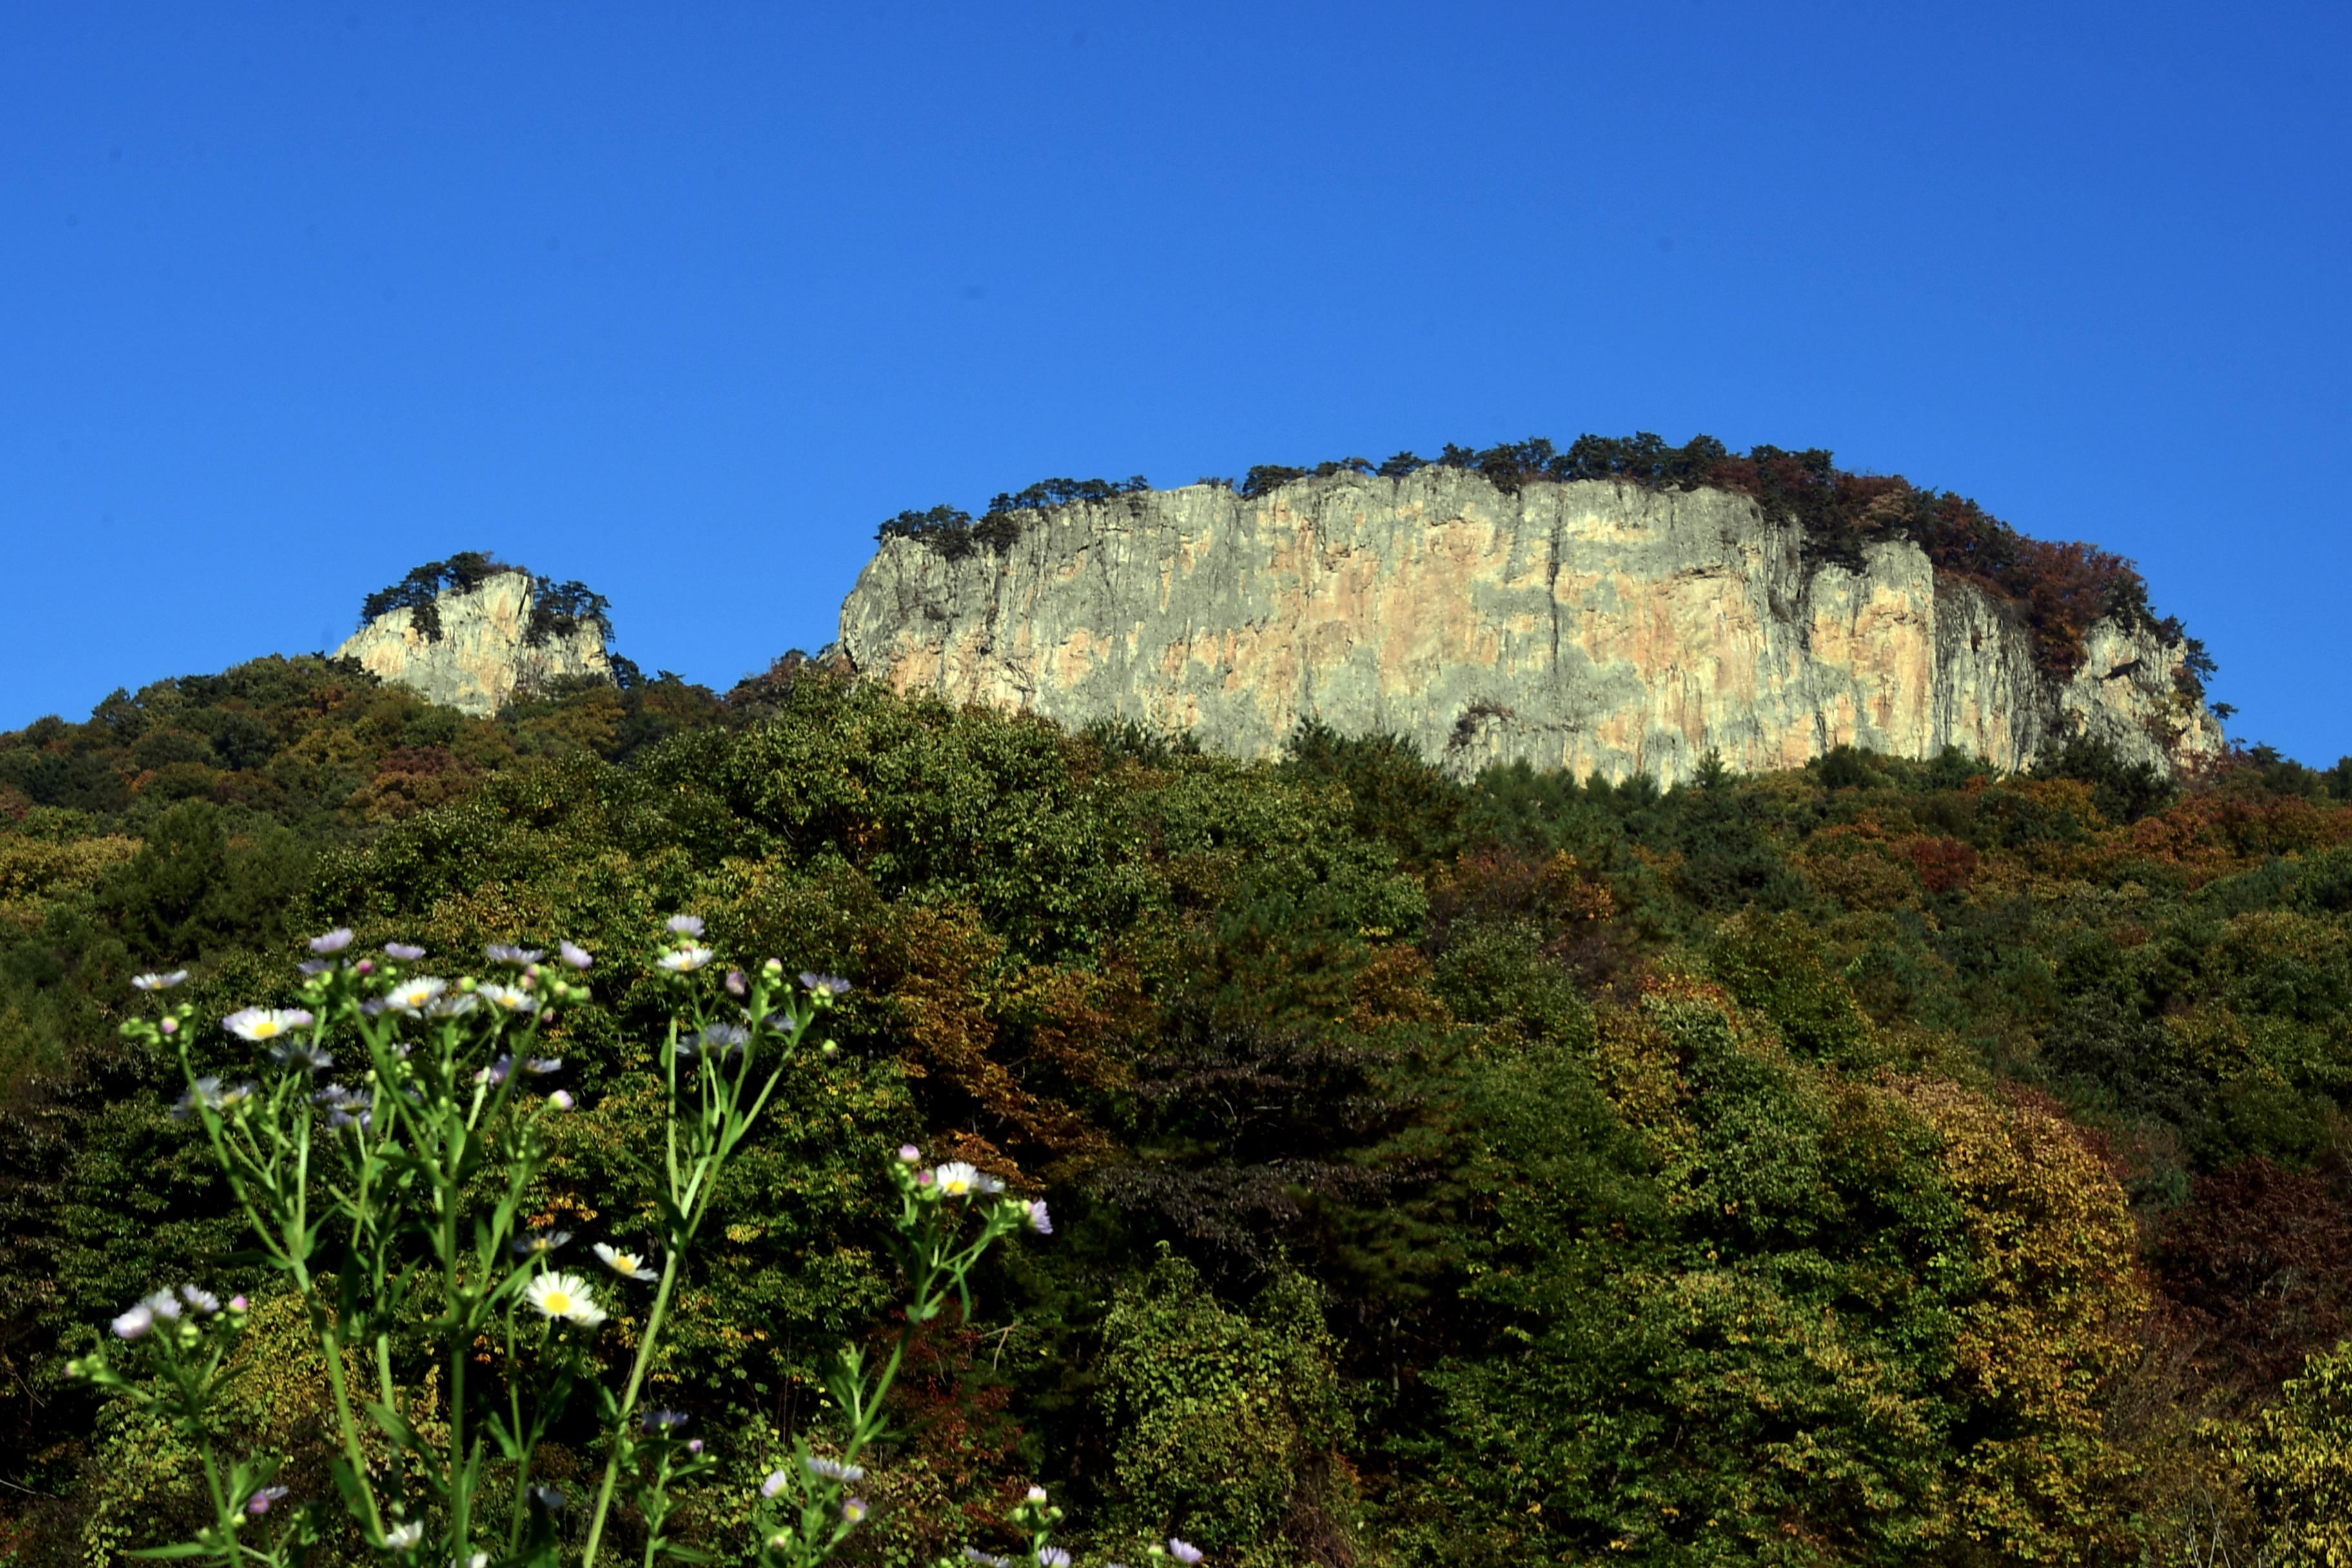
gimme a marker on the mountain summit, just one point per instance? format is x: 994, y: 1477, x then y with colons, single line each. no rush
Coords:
x: 1597, y: 625
x: 473, y: 632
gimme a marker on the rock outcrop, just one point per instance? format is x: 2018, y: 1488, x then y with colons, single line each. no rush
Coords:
x: 484, y: 654
x: 1592, y: 626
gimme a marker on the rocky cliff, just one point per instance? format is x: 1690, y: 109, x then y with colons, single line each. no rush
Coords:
x: 1586, y: 626
x: 483, y: 652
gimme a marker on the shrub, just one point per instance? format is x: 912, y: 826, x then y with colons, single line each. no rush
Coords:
x: 1229, y: 1425
x: 2298, y: 1465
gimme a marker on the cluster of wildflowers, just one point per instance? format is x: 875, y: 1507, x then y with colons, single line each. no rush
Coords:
x: 185, y: 1337
x: 1035, y: 1519
x: 393, y: 1126
x: 950, y: 1216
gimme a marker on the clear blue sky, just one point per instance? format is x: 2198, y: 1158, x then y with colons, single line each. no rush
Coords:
x: 682, y: 300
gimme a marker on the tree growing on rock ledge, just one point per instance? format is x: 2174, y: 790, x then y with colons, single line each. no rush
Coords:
x: 557, y: 609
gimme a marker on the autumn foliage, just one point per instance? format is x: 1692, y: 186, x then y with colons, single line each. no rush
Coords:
x: 1882, y: 1161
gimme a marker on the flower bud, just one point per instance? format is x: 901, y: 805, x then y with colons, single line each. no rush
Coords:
x: 171, y: 1025
x: 562, y: 1099
x: 772, y: 967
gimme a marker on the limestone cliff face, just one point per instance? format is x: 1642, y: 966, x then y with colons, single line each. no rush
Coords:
x: 482, y: 657
x: 1592, y: 626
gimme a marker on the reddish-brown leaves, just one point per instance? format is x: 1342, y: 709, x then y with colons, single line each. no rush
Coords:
x: 2260, y: 1260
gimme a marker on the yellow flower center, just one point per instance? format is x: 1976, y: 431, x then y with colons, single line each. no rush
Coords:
x: 264, y: 1027
x: 558, y: 1304
x: 627, y: 1262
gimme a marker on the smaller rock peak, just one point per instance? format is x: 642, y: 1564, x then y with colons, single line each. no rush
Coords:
x: 475, y: 632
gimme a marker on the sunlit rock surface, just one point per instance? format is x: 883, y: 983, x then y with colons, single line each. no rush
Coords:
x: 482, y: 657
x: 1594, y: 627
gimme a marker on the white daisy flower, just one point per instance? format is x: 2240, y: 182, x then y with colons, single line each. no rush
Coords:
x: 301, y: 1054
x: 956, y: 1179
x: 411, y: 997
x: 265, y: 1022
x: 833, y: 1469
x: 404, y: 1537
x: 213, y: 1095
x: 540, y: 1243
x: 686, y: 959
x: 514, y: 999
x: 626, y: 1263
x: 159, y: 982
x: 564, y: 1296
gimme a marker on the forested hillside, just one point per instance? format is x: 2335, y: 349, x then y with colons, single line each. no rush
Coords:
x: 1879, y: 1163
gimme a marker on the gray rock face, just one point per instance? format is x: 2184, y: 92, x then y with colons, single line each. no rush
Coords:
x: 1592, y: 626
x: 481, y: 659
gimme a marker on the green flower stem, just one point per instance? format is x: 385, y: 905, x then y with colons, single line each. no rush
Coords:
x: 461, y: 1492
x: 724, y: 1122
x: 524, y: 1446
x: 287, y: 1241
x: 345, y: 1423
x: 192, y: 1405
x: 628, y: 1406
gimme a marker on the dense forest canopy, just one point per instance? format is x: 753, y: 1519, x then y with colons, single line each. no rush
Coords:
x: 2062, y: 589
x: 1883, y: 1162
